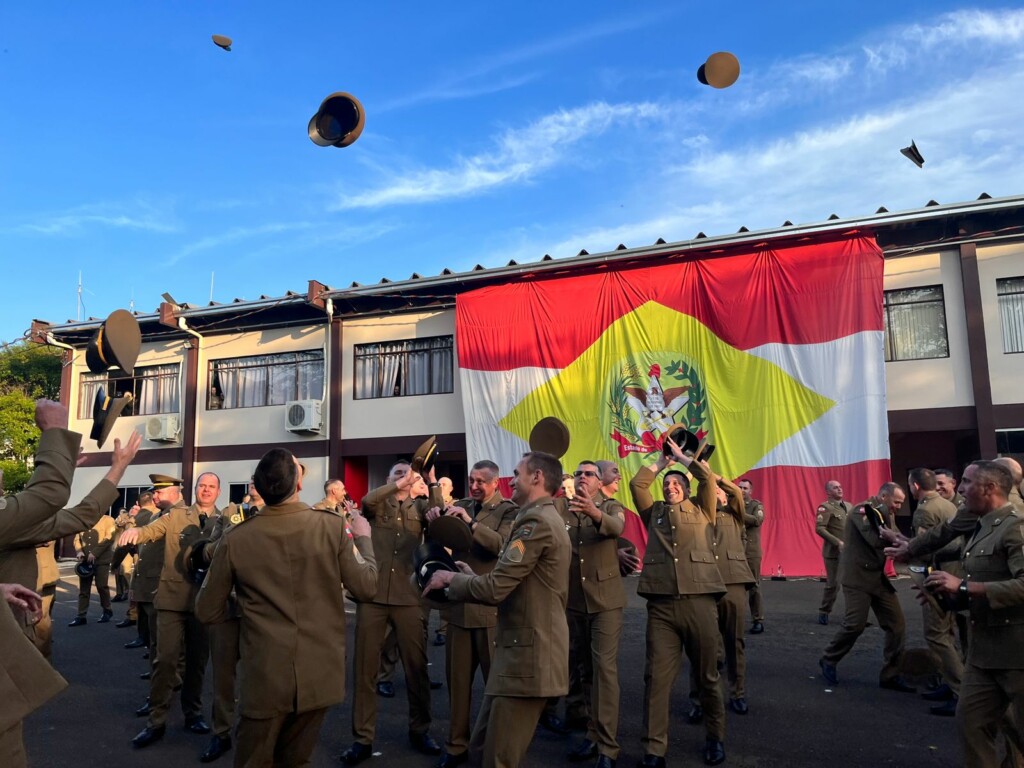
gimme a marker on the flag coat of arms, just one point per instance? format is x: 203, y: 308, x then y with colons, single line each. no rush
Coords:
x: 774, y: 353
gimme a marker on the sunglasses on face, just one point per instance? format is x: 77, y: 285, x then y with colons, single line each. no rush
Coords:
x: 584, y: 473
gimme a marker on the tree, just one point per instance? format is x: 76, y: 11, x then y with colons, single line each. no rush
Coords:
x: 27, y: 372
x: 31, y: 368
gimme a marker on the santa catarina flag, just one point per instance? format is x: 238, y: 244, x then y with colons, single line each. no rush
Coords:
x: 774, y: 353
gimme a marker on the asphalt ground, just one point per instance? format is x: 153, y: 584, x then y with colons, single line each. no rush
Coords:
x: 795, y: 719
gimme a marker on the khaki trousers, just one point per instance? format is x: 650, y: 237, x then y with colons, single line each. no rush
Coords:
x: 372, y: 620
x: 990, y: 699
x: 147, y: 626
x: 504, y: 729
x: 594, y: 640
x: 754, y: 593
x: 938, y: 633
x: 731, y: 610
x: 886, y: 608
x: 285, y: 741
x: 690, y: 624
x: 12, y: 748
x: 466, y: 650
x: 832, y: 584
x: 224, y: 663
x: 178, y: 632
x: 102, y: 578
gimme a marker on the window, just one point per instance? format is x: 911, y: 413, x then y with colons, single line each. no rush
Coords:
x: 1011, y: 312
x: 154, y: 388
x: 398, y: 368
x: 1009, y: 442
x: 126, y: 497
x: 915, y: 324
x: 248, y: 382
x: 237, y: 492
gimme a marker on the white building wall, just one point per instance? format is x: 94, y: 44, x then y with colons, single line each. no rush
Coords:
x: 1005, y: 370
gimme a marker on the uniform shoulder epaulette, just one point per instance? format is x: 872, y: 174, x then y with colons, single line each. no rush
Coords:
x: 334, y: 512
x: 239, y: 516
x: 821, y: 508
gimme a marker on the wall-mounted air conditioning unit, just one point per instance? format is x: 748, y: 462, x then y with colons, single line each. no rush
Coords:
x: 303, y: 416
x: 162, y: 428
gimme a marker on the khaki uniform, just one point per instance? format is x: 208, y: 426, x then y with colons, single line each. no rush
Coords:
x: 29, y: 563
x: 327, y: 505
x: 27, y: 680
x: 397, y: 530
x: 471, y: 626
x: 682, y: 585
x: 596, y: 601
x: 939, y: 625
x: 177, y: 627
x: 866, y: 587
x: 289, y: 566
x: 753, y: 519
x: 124, y: 562
x: 730, y: 554
x: 530, y: 586
x: 149, y: 563
x: 993, y: 684
x: 830, y: 525
x: 98, y: 541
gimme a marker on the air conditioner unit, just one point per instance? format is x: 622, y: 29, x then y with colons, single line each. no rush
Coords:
x: 303, y: 416
x: 163, y: 428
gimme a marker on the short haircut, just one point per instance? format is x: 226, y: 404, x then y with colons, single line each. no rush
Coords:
x: 329, y: 483
x: 686, y: 478
x: 604, y: 465
x: 488, y: 465
x: 399, y: 463
x: 993, y: 472
x: 925, y: 478
x: 1012, y: 466
x: 745, y: 480
x: 591, y: 462
x: 889, y: 488
x: 547, y: 465
x: 946, y: 472
x: 211, y: 474
x: 146, y: 497
x: 276, y: 476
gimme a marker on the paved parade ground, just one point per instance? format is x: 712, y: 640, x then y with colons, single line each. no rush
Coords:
x: 795, y: 719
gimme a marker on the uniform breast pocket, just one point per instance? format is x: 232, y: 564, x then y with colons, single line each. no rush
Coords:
x: 703, y: 568
x: 654, y: 558
x: 603, y: 574
x: 413, y: 526
x: 518, y: 652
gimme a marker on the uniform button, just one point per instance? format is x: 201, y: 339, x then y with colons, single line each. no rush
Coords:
x: 676, y: 559
x: 583, y: 578
x: 716, y: 557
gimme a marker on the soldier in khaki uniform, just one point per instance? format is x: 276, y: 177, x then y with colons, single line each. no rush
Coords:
x: 946, y: 487
x: 95, y: 546
x: 530, y: 586
x: 596, y: 602
x: 992, y: 689
x: 830, y: 525
x: 397, y: 523
x: 335, y: 498
x: 866, y: 587
x: 178, y: 629
x: 939, y: 625
x: 471, y: 626
x: 753, y: 519
x: 682, y: 585
x: 292, y: 641
x: 149, y: 563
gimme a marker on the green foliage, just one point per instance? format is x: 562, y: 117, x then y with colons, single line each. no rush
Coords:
x: 15, y: 476
x: 31, y: 368
x: 622, y: 416
x: 19, y: 434
x: 696, y: 407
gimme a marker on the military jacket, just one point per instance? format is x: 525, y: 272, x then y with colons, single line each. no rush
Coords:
x: 729, y: 540
x: 494, y: 523
x: 177, y: 526
x: 595, y: 583
x: 680, y: 558
x: 862, y: 565
x: 995, y: 555
x: 327, y: 504
x: 830, y: 524
x: 530, y: 586
x: 289, y: 566
x: 753, y: 519
x: 397, y: 530
x: 933, y: 510
x: 98, y: 541
x: 150, y: 562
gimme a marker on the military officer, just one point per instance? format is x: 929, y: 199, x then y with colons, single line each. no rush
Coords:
x: 682, y: 585
x: 753, y: 519
x: 334, y: 497
x: 95, y: 547
x: 946, y: 486
x: 471, y: 626
x: 866, y: 587
x: 830, y: 524
x: 397, y: 522
x: 530, y: 586
x: 595, y: 604
x: 125, y: 519
x: 178, y: 629
x: 145, y: 578
x: 293, y: 641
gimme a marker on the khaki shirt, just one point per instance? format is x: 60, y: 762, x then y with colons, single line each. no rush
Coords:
x: 178, y: 525
x: 729, y: 540
x: 830, y: 525
x: 933, y: 510
x: 150, y: 561
x: 753, y: 519
x: 595, y: 583
x: 862, y: 565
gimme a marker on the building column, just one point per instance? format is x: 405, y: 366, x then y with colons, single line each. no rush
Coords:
x: 977, y: 349
x: 189, y: 414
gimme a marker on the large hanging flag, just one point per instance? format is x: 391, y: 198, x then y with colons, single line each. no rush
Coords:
x: 774, y: 353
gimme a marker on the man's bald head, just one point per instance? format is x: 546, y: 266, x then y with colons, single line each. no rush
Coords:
x: 1013, y: 467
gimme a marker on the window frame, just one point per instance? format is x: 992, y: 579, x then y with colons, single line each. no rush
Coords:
x: 108, y: 380
x: 405, y: 353
x: 887, y: 325
x: 999, y: 300
x: 210, y: 375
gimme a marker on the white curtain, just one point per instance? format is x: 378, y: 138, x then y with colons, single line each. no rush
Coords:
x: 270, y: 379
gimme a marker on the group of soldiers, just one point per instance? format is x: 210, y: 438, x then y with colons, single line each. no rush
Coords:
x: 966, y: 556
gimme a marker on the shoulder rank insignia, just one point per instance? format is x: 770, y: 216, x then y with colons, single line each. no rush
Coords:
x: 514, y: 551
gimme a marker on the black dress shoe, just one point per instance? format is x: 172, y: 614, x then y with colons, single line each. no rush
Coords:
x: 196, y: 724
x: 554, y: 724
x: 106, y: 617
x: 739, y: 706
x: 357, y: 753
x: 118, y: 598
x: 585, y: 750
x: 143, y: 711
x: 947, y: 709
x: 603, y: 761
x: 652, y: 761
x: 829, y: 672
x: 78, y: 621
x: 695, y: 715
x: 145, y: 676
x: 449, y: 761
x: 757, y: 629
x: 823, y: 619
x: 386, y: 689
x: 138, y: 642
x: 941, y: 693
x: 148, y: 735
x: 218, y: 746
x: 714, y: 752
x: 440, y: 639
x: 897, y: 684
x: 127, y: 623
x: 424, y: 742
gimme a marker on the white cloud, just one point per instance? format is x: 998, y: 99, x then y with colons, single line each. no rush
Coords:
x: 234, y: 235
x: 138, y: 216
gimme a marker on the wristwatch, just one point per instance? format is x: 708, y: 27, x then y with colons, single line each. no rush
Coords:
x: 963, y: 592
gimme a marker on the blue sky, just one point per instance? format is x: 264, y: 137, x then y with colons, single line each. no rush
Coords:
x: 135, y: 151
